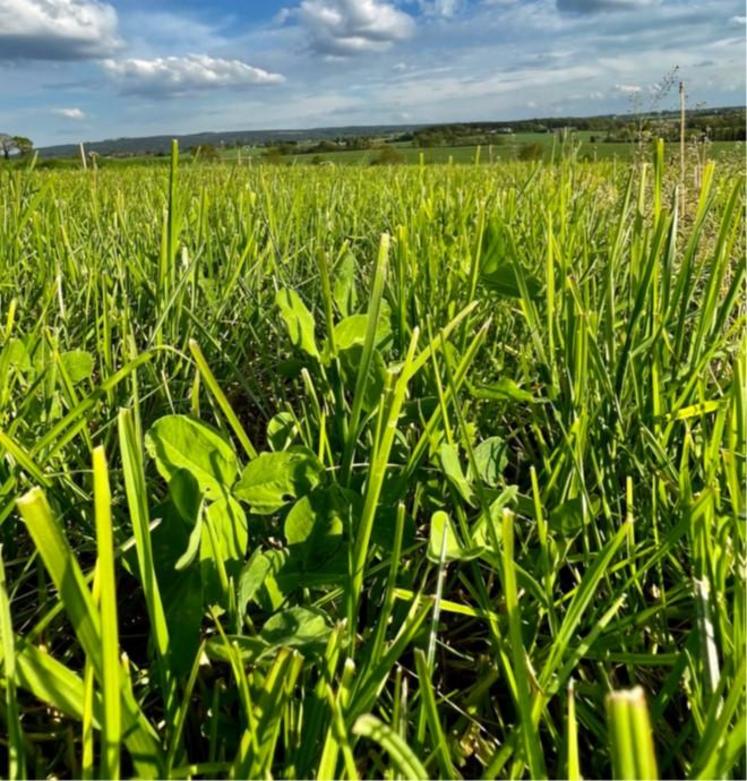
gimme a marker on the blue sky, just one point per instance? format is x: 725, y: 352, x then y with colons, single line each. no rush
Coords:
x: 76, y: 70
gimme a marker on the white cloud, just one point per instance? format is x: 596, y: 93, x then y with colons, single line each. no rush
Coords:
x: 57, y: 29
x: 445, y: 8
x: 593, y: 6
x: 180, y: 75
x: 628, y: 89
x: 345, y: 27
x: 69, y: 113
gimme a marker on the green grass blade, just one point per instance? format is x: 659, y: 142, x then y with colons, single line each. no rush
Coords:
x: 428, y: 703
x: 401, y: 754
x: 631, y: 742
x: 111, y: 731
x: 530, y: 736
x: 16, y: 752
x: 65, y: 572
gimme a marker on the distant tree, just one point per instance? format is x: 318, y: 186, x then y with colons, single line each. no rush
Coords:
x: 273, y: 154
x: 531, y: 151
x: 6, y: 144
x: 23, y: 145
x: 388, y: 155
x: 207, y: 152
x: 10, y: 144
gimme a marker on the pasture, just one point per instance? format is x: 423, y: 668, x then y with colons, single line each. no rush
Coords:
x: 373, y: 472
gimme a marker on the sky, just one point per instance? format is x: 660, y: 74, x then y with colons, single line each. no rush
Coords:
x: 84, y: 70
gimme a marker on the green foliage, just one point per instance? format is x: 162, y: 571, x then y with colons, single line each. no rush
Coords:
x: 531, y: 151
x: 420, y: 472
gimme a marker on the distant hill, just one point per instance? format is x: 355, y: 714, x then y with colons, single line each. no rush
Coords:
x: 162, y: 144
x: 731, y: 116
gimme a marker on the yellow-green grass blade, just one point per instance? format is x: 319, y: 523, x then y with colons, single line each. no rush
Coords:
x: 65, y: 572
x: 428, y: 703
x: 16, y: 753
x: 410, y: 767
x: 532, y: 746
x: 631, y: 741
x: 574, y: 767
x: 131, y: 451
x: 111, y: 731
x: 221, y: 399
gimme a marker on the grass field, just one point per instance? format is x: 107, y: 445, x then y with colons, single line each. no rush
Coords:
x: 393, y: 472
x: 506, y: 148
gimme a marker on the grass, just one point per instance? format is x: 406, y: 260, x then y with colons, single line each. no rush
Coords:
x: 505, y: 148
x: 373, y: 473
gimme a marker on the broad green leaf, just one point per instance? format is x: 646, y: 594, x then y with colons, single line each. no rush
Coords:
x: 505, y: 389
x: 252, y: 578
x: 351, y: 332
x: 185, y: 495
x: 481, y: 534
x: 344, y: 293
x: 296, y: 627
x: 224, y: 526
x: 183, y: 598
x: 175, y: 553
x: 78, y: 364
x: 502, y: 279
x: 498, y: 269
x: 16, y: 355
x: 490, y: 460
x: 282, y: 429
x: 442, y: 533
x: 181, y: 442
x: 442, y: 536
x: 448, y: 455
x: 314, y: 526
x: 193, y: 544
x: 272, y: 480
x: 276, y: 585
x: 568, y: 518
x: 227, y: 519
x: 350, y: 360
x: 298, y: 320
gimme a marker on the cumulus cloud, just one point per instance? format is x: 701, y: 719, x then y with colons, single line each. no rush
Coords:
x: 180, y: 75
x: 447, y: 8
x: 57, y: 29
x: 345, y: 27
x: 594, y: 6
x: 69, y: 113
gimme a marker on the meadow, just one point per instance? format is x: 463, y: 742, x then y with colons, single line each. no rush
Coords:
x: 352, y: 472
x: 589, y: 147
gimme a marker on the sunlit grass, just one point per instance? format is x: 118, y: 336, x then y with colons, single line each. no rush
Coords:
x: 426, y: 470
